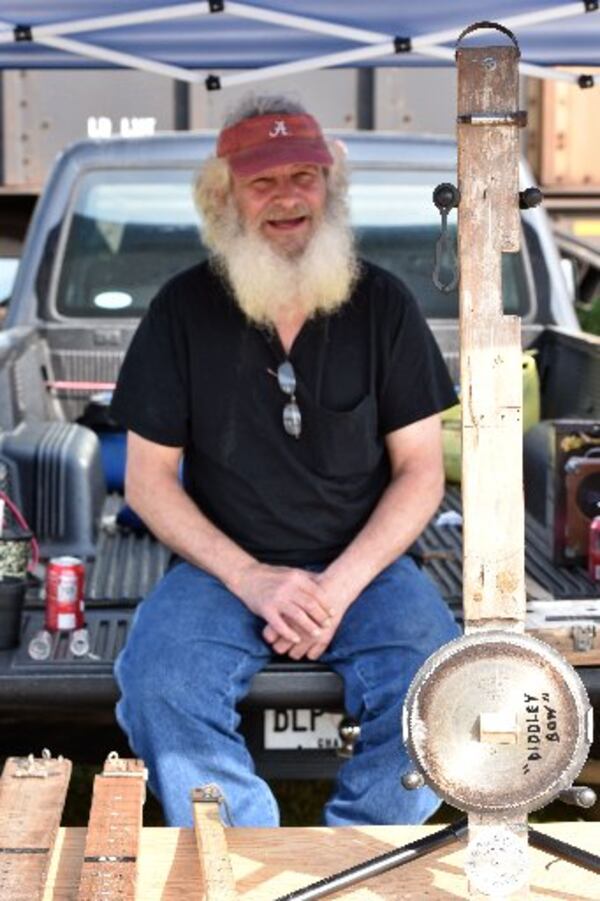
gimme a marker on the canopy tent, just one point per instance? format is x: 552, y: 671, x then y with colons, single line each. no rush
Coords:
x: 184, y: 40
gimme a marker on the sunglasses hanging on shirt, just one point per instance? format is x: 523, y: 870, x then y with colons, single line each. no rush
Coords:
x: 286, y: 379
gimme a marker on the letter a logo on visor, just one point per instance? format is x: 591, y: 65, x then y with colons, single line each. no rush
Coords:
x: 278, y: 129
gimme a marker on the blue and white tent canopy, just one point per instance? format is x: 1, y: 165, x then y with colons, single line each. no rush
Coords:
x: 184, y: 40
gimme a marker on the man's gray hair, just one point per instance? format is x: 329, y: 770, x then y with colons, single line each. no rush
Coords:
x: 263, y: 105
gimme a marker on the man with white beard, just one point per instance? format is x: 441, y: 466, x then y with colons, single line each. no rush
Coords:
x: 302, y: 389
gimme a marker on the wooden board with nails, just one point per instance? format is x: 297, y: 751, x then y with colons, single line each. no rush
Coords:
x: 211, y: 841
x: 110, y: 857
x: 32, y: 795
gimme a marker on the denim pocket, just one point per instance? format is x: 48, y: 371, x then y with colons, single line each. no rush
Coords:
x: 346, y: 443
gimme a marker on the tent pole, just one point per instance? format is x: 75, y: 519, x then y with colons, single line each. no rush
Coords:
x: 139, y: 17
x: 370, y: 53
x: 549, y: 74
x: 309, y: 65
x: 118, y: 58
x: 565, y: 11
x: 544, y: 72
x: 305, y: 23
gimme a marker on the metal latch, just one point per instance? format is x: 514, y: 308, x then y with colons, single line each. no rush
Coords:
x: 583, y: 636
x: 211, y: 794
x: 349, y: 732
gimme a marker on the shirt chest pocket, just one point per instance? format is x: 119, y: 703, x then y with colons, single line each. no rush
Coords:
x: 345, y: 443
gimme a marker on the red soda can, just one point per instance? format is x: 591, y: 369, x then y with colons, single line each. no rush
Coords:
x: 64, y: 594
x: 594, y: 550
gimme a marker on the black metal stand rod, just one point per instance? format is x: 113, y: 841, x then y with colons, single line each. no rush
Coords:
x: 380, y: 864
x: 578, y: 856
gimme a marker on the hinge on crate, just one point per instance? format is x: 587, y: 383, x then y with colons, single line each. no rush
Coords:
x: 583, y: 636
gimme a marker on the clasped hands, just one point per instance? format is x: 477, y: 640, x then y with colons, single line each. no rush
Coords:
x: 298, y: 606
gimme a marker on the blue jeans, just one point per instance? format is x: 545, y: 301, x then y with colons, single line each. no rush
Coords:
x: 191, y: 653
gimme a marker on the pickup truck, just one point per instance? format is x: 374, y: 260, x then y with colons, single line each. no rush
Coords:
x: 115, y: 221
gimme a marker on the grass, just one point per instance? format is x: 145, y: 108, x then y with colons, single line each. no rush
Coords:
x: 589, y: 315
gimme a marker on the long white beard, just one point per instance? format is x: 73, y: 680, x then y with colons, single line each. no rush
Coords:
x: 267, y: 283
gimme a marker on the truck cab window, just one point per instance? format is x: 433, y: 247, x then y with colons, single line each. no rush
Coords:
x: 128, y: 233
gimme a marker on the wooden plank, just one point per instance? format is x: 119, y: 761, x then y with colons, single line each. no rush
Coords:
x: 491, y: 377
x: 32, y: 796
x: 268, y: 863
x: 562, y: 640
x: 491, y: 385
x: 213, y: 853
x: 110, y: 859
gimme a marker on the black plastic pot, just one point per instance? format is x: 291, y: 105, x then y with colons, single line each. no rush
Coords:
x: 12, y: 594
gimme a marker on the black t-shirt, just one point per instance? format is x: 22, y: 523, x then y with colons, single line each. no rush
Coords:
x: 197, y: 375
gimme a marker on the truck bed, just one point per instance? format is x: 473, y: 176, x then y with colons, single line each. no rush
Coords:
x: 128, y: 565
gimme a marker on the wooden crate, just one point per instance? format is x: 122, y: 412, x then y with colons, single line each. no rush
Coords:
x: 115, y: 859
x: 564, y: 134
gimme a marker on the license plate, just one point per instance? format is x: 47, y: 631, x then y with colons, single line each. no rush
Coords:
x: 301, y: 729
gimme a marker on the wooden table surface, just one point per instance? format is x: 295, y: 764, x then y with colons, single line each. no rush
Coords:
x: 268, y: 863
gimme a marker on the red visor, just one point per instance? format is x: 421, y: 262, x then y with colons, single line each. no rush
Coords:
x: 273, y: 140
